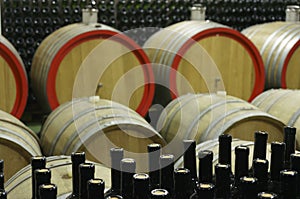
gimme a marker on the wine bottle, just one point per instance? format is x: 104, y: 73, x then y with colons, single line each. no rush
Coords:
x: 182, y: 183
x: 95, y: 188
x: 41, y: 176
x: 225, y: 149
x: 1, y: 166
x: 205, y: 166
x: 128, y: 167
x: 277, y: 165
x: 167, y: 173
x: 267, y: 195
x: 77, y: 158
x: 295, y: 166
x: 141, y: 182
x: 116, y: 155
x: 204, y: 190
x: 248, y: 187
x: 260, y: 145
x: 290, y: 143
x: 241, y: 162
x: 154, y: 152
x: 86, y: 173
x: 189, y: 159
x: 223, y: 181
x: 288, y: 181
x: 3, y: 194
x: 159, y: 194
x: 260, y: 171
x: 48, y: 191
x: 38, y: 162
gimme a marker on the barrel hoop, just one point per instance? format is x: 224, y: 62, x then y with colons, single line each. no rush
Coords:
x: 95, y: 130
x: 276, y: 99
x: 294, y: 118
x: 286, y: 43
x: 260, y: 99
x: 170, y: 119
x: 139, y: 53
x: 21, y: 81
x: 79, y: 130
x: 215, y: 122
x: 209, y: 109
x: 230, y: 33
x: 28, y: 147
x: 285, y: 64
x: 74, y: 118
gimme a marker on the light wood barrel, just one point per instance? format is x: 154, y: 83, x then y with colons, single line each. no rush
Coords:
x: 17, y: 144
x: 14, y: 83
x: 283, y: 104
x: 104, y: 55
x: 186, y: 49
x: 19, y: 186
x: 205, y: 116
x: 95, y: 126
x: 278, y: 43
x: 213, y: 145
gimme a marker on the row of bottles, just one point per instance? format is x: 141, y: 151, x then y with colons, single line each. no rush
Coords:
x: 27, y: 22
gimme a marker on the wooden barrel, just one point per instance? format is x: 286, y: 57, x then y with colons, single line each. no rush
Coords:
x: 278, y: 43
x: 213, y: 145
x: 102, y: 54
x: 283, y: 104
x: 14, y: 83
x: 188, y: 51
x: 95, y: 126
x: 205, y: 116
x: 17, y: 144
x: 19, y: 186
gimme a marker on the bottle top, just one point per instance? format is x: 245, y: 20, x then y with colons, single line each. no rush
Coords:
x: 266, y: 195
x: 260, y: 169
x: 48, y: 191
x: 295, y: 162
x: 128, y: 165
x: 153, y: 147
x: 78, y: 157
x: 96, y: 185
x: 38, y: 162
x: 260, y: 144
x: 114, y: 197
x: 159, y: 194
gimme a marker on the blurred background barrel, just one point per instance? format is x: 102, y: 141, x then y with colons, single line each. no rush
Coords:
x: 58, y: 60
x: 94, y: 126
x: 283, y: 104
x: 19, y: 185
x: 185, y: 51
x: 278, y: 43
x: 13, y: 76
x: 17, y: 144
x: 206, y: 116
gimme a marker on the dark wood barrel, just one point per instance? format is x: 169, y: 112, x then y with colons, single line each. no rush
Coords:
x: 18, y: 144
x: 101, y: 53
x: 197, y: 56
x: 13, y: 77
x: 283, y: 104
x: 278, y: 43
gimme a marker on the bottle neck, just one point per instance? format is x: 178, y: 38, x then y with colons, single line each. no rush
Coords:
x: 260, y: 145
x: 223, y: 180
x: 77, y: 159
x: 48, y: 191
x: 141, y: 184
x: 154, y: 152
x: 86, y: 173
x: 277, y: 160
x: 182, y: 183
x: 225, y: 149
x: 38, y: 162
x: 42, y: 176
x: 241, y: 162
x: 205, y: 166
x: 166, y: 173
x: 189, y: 157
x: 96, y: 189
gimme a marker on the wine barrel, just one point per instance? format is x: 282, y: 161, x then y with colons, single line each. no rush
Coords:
x: 14, y: 83
x: 99, y: 54
x: 18, y: 144
x: 94, y: 126
x: 213, y: 145
x: 283, y: 104
x: 205, y: 116
x: 188, y: 49
x: 19, y: 185
x: 278, y: 43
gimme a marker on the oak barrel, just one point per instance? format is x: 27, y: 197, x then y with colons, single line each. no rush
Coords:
x: 187, y: 51
x: 18, y: 144
x: 283, y: 104
x: 213, y: 145
x: 19, y: 185
x: 94, y: 126
x: 99, y: 54
x: 13, y: 76
x: 205, y: 116
x: 278, y: 43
